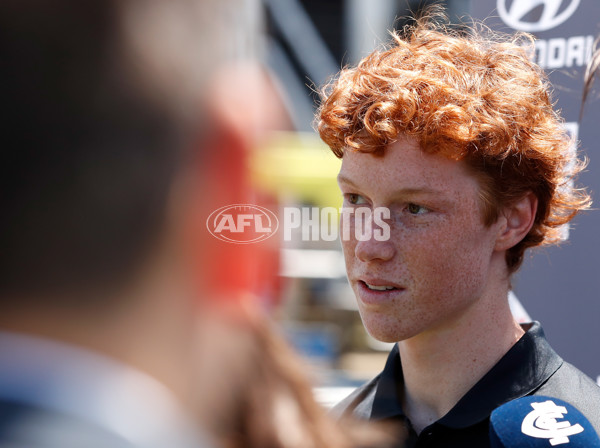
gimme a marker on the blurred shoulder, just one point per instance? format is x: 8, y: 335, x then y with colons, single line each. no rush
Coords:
x: 26, y: 425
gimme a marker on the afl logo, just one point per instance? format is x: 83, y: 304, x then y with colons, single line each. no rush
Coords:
x: 520, y: 14
x: 242, y: 223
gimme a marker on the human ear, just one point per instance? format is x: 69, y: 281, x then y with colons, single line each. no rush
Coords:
x: 516, y: 221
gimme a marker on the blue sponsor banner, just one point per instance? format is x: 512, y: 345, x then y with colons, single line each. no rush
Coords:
x: 560, y: 286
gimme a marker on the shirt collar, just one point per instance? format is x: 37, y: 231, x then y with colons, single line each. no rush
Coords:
x: 523, y: 369
x: 387, y: 395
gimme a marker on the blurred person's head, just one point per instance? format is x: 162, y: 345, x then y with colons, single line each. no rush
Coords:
x: 108, y: 122
x: 455, y: 133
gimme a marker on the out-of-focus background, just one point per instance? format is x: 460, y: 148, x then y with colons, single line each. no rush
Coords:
x: 304, y: 43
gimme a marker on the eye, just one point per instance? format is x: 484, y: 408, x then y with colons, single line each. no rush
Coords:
x: 416, y: 209
x: 355, y: 199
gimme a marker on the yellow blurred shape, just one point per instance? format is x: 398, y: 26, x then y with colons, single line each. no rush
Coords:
x: 297, y: 168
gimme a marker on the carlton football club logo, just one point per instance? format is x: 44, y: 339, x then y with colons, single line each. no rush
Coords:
x: 242, y: 223
x: 542, y: 423
x: 536, y: 15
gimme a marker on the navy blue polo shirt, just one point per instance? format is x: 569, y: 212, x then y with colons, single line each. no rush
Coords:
x: 530, y: 367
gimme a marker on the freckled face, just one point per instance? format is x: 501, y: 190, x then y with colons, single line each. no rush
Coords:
x: 436, y: 263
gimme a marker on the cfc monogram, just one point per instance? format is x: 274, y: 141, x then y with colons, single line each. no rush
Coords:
x: 542, y: 423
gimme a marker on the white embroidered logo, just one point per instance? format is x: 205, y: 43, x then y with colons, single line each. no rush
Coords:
x: 551, y: 17
x: 541, y: 423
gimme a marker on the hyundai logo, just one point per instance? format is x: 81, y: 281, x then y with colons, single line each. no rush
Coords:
x: 516, y: 14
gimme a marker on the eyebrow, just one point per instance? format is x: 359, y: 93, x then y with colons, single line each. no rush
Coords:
x: 403, y: 191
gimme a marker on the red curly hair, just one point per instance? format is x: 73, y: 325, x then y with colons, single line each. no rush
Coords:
x: 473, y: 97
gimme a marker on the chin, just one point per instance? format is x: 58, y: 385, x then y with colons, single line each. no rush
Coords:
x: 390, y: 338
x: 385, y: 330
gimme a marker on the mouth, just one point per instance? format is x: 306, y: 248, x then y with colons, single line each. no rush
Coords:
x: 376, y: 293
x: 378, y: 287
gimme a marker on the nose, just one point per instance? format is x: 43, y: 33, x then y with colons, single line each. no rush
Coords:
x: 371, y: 250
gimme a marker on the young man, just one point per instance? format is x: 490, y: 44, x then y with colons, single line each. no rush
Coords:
x: 456, y: 136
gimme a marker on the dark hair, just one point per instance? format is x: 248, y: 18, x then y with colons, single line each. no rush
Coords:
x: 88, y: 155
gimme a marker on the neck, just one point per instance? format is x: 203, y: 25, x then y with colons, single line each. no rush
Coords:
x: 440, y: 366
